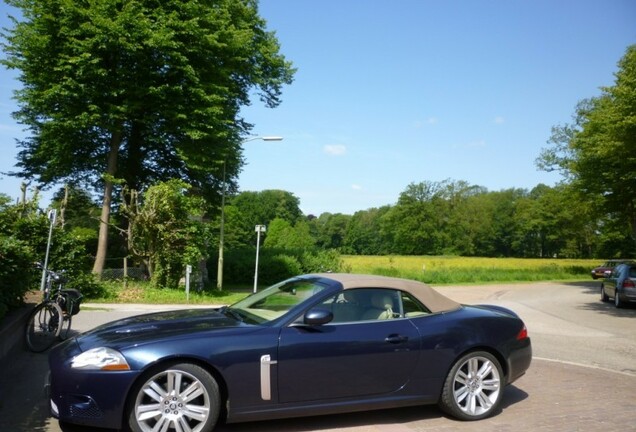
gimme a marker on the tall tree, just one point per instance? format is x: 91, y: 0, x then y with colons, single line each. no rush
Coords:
x: 283, y: 235
x: 137, y: 91
x: 260, y: 208
x: 596, y: 153
x: 330, y: 229
x: 413, y: 225
x: 363, y: 236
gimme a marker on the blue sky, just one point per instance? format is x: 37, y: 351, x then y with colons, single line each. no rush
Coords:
x: 393, y: 92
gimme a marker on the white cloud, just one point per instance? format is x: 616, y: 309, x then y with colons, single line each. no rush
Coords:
x: 432, y: 120
x: 335, y: 149
x: 356, y: 187
x: 499, y: 120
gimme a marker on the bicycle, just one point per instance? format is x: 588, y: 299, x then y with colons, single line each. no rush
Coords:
x: 51, y: 319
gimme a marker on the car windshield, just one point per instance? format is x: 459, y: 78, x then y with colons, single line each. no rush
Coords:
x: 273, y: 302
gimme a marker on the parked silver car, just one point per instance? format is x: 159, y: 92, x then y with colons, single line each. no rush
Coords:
x: 620, y: 285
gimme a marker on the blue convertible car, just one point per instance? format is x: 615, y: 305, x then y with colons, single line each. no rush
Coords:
x: 313, y: 344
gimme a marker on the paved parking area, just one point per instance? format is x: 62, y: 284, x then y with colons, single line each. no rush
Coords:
x: 583, y: 377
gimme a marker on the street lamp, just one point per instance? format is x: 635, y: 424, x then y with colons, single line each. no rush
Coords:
x: 219, y: 273
x: 259, y: 229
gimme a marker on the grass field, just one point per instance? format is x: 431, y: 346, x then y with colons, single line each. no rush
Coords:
x: 454, y: 270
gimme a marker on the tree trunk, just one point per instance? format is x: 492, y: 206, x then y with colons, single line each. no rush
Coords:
x: 102, y: 241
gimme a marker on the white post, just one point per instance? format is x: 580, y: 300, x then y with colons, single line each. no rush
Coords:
x: 52, y: 216
x: 219, y: 271
x: 187, y: 281
x: 259, y: 229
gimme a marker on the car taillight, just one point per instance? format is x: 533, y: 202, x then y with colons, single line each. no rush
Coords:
x: 629, y: 283
x: 523, y: 334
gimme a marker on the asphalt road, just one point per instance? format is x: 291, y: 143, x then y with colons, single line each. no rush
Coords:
x: 584, y: 369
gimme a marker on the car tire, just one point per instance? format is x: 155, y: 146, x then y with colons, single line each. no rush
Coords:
x: 155, y: 403
x: 604, y: 297
x: 617, y: 299
x: 474, y: 387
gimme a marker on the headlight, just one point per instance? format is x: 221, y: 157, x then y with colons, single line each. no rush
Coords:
x: 100, y: 359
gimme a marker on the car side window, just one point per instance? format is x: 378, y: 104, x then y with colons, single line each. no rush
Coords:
x: 412, y: 307
x: 364, y: 304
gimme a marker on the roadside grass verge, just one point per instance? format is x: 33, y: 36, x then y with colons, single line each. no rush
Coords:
x: 143, y: 292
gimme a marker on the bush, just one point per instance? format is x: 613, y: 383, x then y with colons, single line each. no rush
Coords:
x: 16, y: 273
x: 321, y: 261
x: 67, y: 252
x: 275, y: 268
x: 275, y: 264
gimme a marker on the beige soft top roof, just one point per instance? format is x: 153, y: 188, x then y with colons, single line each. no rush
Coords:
x: 433, y: 300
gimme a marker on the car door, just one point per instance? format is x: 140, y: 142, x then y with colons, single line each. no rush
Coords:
x: 358, y: 357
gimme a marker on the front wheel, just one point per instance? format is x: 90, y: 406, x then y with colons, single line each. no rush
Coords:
x: 65, y: 304
x: 180, y: 397
x: 473, y: 387
x: 44, y: 326
x: 604, y: 297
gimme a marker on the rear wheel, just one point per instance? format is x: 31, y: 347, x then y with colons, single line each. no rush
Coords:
x: 179, y: 397
x: 617, y: 299
x: 604, y: 297
x: 44, y: 326
x: 473, y: 388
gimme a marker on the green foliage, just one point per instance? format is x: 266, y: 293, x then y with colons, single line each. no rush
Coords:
x: 24, y: 232
x: 277, y: 264
x: 144, y: 292
x: 282, y: 235
x: 161, y: 84
x: 167, y: 229
x: 125, y: 94
x: 321, y: 261
x: 248, y: 209
x: 330, y: 230
x: 274, y: 268
x: 596, y: 153
x: 362, y: 234
x: 16, y: 276
x: 455, y: 218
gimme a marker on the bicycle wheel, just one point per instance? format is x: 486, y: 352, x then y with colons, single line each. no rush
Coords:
x: 65, y: 328
x: 65, y: 303
x: 43, y: 326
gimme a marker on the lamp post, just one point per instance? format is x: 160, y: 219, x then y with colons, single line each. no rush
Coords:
x: 259, y: 229
x: 219, y: 273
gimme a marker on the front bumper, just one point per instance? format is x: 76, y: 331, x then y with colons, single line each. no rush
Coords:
x: 89, y: 398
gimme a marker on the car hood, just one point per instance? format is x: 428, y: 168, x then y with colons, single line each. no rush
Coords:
x: 153, y: 327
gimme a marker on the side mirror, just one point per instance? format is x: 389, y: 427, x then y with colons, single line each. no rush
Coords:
x: 317, y: 316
